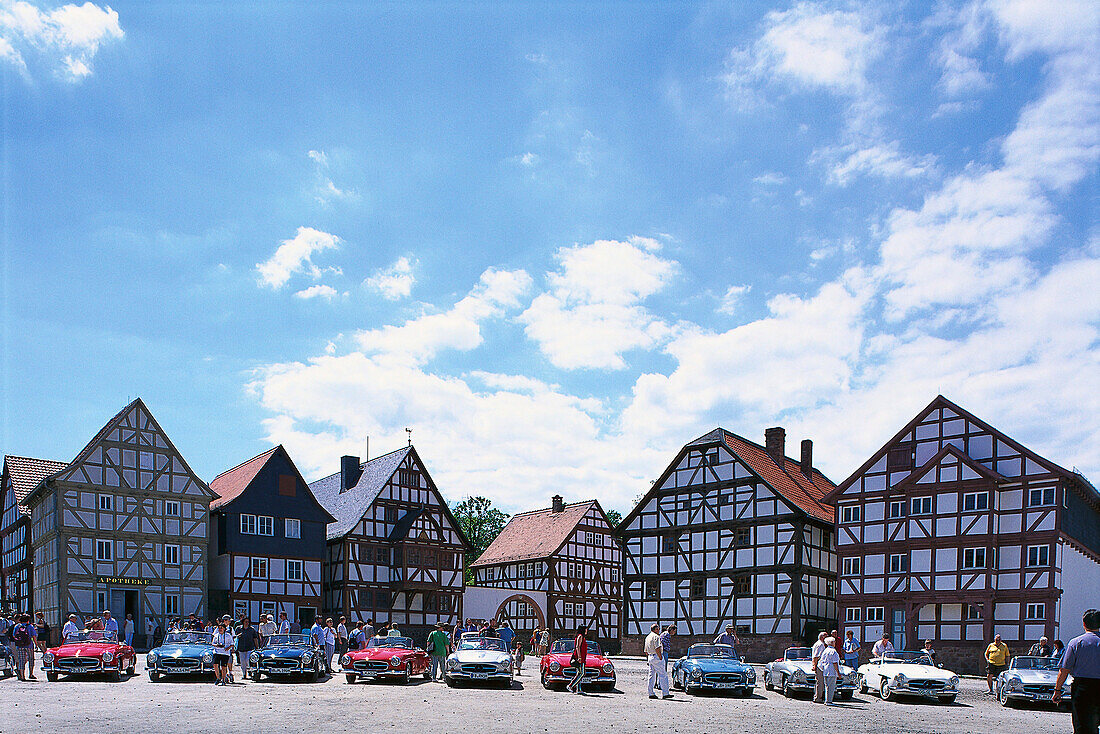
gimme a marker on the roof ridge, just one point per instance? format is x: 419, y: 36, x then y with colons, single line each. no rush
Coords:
x: 31, y: 458
x: 247, y: 461
x: 365, y: 463
x: 551, y: 507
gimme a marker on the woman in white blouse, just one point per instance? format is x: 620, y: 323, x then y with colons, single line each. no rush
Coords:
x: 223, y: 649
x: 828, y: 666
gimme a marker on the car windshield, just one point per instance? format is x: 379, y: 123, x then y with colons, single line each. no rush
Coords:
x: 92, y: 636
x: 711, y: 651
x: 915, y: 657
x: 567, y: 646
x: 482, y: 643
x: 798, y: 653
x: 287, y: 641
x: 188, y: 638
x: 1035, y: 663
x: 403, y: 642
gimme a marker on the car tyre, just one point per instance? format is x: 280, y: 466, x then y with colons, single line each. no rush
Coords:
x: 785, y: 688
x: 546, y: 680
x: 115, y: 675
x: 130, y: 668
x: 1003, y: 698
x: 845, y: 695
x: 677, y: 683
x: 350, y: 677
x: 51, y: 677
x: 862, y: 684
x: 451, y: 682
x: 768, y: 681
x: 256, y: 676
x: 154, y: 676
x: 315, y: 675
x: 947, y: 700
x: 884, y: 690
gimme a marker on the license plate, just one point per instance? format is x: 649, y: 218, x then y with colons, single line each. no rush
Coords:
x: 284, y: 671
x: 479, y: 676
x: 368, y: 675
x: 726, y: 685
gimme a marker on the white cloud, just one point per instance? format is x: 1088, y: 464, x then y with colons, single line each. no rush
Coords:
x: 394, y: 282
x: 732, y: 298
x: 592, y: 314
x: 65, y: 38
x: 881, y: 159
x: 324, y: 190
x: 294, y: 256
x: 419, y: 340
x: 770, y: 178
x: 326, y: 292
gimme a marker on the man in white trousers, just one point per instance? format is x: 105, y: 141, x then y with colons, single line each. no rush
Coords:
x: 655, y: 655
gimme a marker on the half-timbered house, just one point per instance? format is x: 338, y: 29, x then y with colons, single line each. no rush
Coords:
x: 395, y: 551
x: 123, y: 526
x: 564, y: 555
x: 732, y: 532
x: 267, y: 541
x: 19, y: 477
x: 953, y: 531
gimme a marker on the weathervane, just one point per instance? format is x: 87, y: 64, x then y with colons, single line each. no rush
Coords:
x: 410, y: 432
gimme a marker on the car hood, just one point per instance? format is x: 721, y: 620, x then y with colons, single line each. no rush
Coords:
x: 181, y: 651
x: 284, y: 652
x: 807, y: 666
x: 592, y: 661
x: 1046, y: 677
x: 481, y: 656
x: 718, y: 665
x: 85, y: 649
x: 912, y: 670
x: 379, y: 653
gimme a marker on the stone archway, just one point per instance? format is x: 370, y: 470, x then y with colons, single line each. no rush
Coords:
x: 522, y: 613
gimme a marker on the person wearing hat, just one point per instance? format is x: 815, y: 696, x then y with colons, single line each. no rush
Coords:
x: 70, y: 628
x: 438, y: 646
x: 727, y: 638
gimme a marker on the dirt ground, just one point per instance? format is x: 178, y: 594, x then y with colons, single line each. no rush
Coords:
x: 137, y: 705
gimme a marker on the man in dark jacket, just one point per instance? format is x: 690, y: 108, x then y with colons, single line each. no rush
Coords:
x: 248, y: 639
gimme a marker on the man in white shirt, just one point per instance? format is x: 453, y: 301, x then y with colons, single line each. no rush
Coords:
x: 70, y: 628
x: 267, y: 627
x: 284, y: 624
x: 128, y: 629
x: 883, y: 646
x: 655, y: 656
x: 330, y: 644
x: 828, y: 669
x: 150, y: 631
x: 819, y: 681
x: 110, y: 624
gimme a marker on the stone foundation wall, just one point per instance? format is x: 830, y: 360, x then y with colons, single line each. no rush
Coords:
x: 755, y: 648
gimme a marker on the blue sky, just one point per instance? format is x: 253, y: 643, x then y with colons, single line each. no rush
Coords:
x: 558, y: 241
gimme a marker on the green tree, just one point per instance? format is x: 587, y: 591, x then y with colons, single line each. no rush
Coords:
x: 482, y: 523
x: 614, y: 517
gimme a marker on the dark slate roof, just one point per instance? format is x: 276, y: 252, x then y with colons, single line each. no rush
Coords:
x: 349, y: 507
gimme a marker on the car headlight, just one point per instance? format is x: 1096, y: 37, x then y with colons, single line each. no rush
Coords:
x: 505, y: 665
x: 953, y: 682
x: 452, y: 663
x: 47, y: 658
x: 108, y: 656
x: 696, y: 674
x: 208, y: 657
x: 799, y: 675
x: 608, y: 668
x: 307, y: 658
x: 345, y: 661
x: 751, y: 675
x: 1015, y: 683
x: 254, y: 658
x: 395, y: 662
x: 900, y: 680
x: 555, y: 666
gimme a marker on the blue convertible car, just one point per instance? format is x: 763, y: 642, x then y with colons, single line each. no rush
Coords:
x: 180, y: 653
x: 714, y: 668
x: 285, y: 656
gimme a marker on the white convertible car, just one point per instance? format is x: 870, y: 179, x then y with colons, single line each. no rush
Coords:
x: 1029, y: 679
x: 479, y: 659
x: 908, y: 674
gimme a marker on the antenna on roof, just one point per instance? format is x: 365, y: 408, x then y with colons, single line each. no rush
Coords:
x: 410, y: 432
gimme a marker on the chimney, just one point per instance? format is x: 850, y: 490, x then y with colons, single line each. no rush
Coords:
x: 349, y: 472
x: 807, y: 463
x: 559, y: 505
x: 775, y: 441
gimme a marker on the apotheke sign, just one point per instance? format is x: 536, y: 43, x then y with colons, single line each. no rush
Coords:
x: 120, y: 581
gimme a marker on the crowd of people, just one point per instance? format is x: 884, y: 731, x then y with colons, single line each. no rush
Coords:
x: 26, y: 636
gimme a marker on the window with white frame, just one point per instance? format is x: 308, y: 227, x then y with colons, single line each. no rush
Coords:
x: 920, y: 506
x: 293, y: 570
x: 973, y: 558
x: 1038, y: 555
x: 1040, y: 496
x: 852, y: 614
x: 899, y: 563
x: 106, y: 502
x: 268, y: 607
x: 248, y: 524
x: 100, y: 600
x: 614, y: 575
x: 531, y: 570
x: 590, y: 538
x: 172, y: 605
x: 975, y: 501
x: 265, y: 525
x: 171, y: 508
x: 1036, y: 611
x: 851, y: 566
x: 240, y: 609
x: 104, y: 550
x: 567, y: 609
x: 293, y: 527
x: 849, y: 513
x: 259, y: 568
x: 876, y: 614
x: 897, y: 509
x: 172, y: 555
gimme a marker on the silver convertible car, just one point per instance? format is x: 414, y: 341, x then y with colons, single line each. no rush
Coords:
x: 793, y: 673
x: 479, y: 659
x: 1028, y: 680
x: 908, y: 673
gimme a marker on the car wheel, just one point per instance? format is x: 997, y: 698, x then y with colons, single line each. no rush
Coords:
x: 545, y: 680
x: 947, y: 700
x: 130, y: 668
x: 1003, y: 698
x: 154, y: 676
x: 51, y: 677
x: 785, y: 688
x: 350, y: 677
x: 768, y: 681
x: 676, y: 683
x: 451, y: 683
x: 256, y: 677
x: 115, y: 675
x: 316, y: 674
x: 862, y: 684
x: 884, y: 690
x: 845, y: 695
x: 407, y: 678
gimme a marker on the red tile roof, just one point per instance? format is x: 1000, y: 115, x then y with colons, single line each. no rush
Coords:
x: 533, y: 535
x: 806, y: 493
x: 228, y: 485
x: 26, y: 473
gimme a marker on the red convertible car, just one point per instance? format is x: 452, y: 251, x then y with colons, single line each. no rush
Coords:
x: 392, y: 658
x: 557, y: 670
x: 89, y: 653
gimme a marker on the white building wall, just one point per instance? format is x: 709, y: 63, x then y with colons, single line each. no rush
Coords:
x: 1083, y: 575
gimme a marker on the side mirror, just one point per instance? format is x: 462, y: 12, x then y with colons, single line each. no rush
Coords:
x: 939, y: 665
x: 742, y: 658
